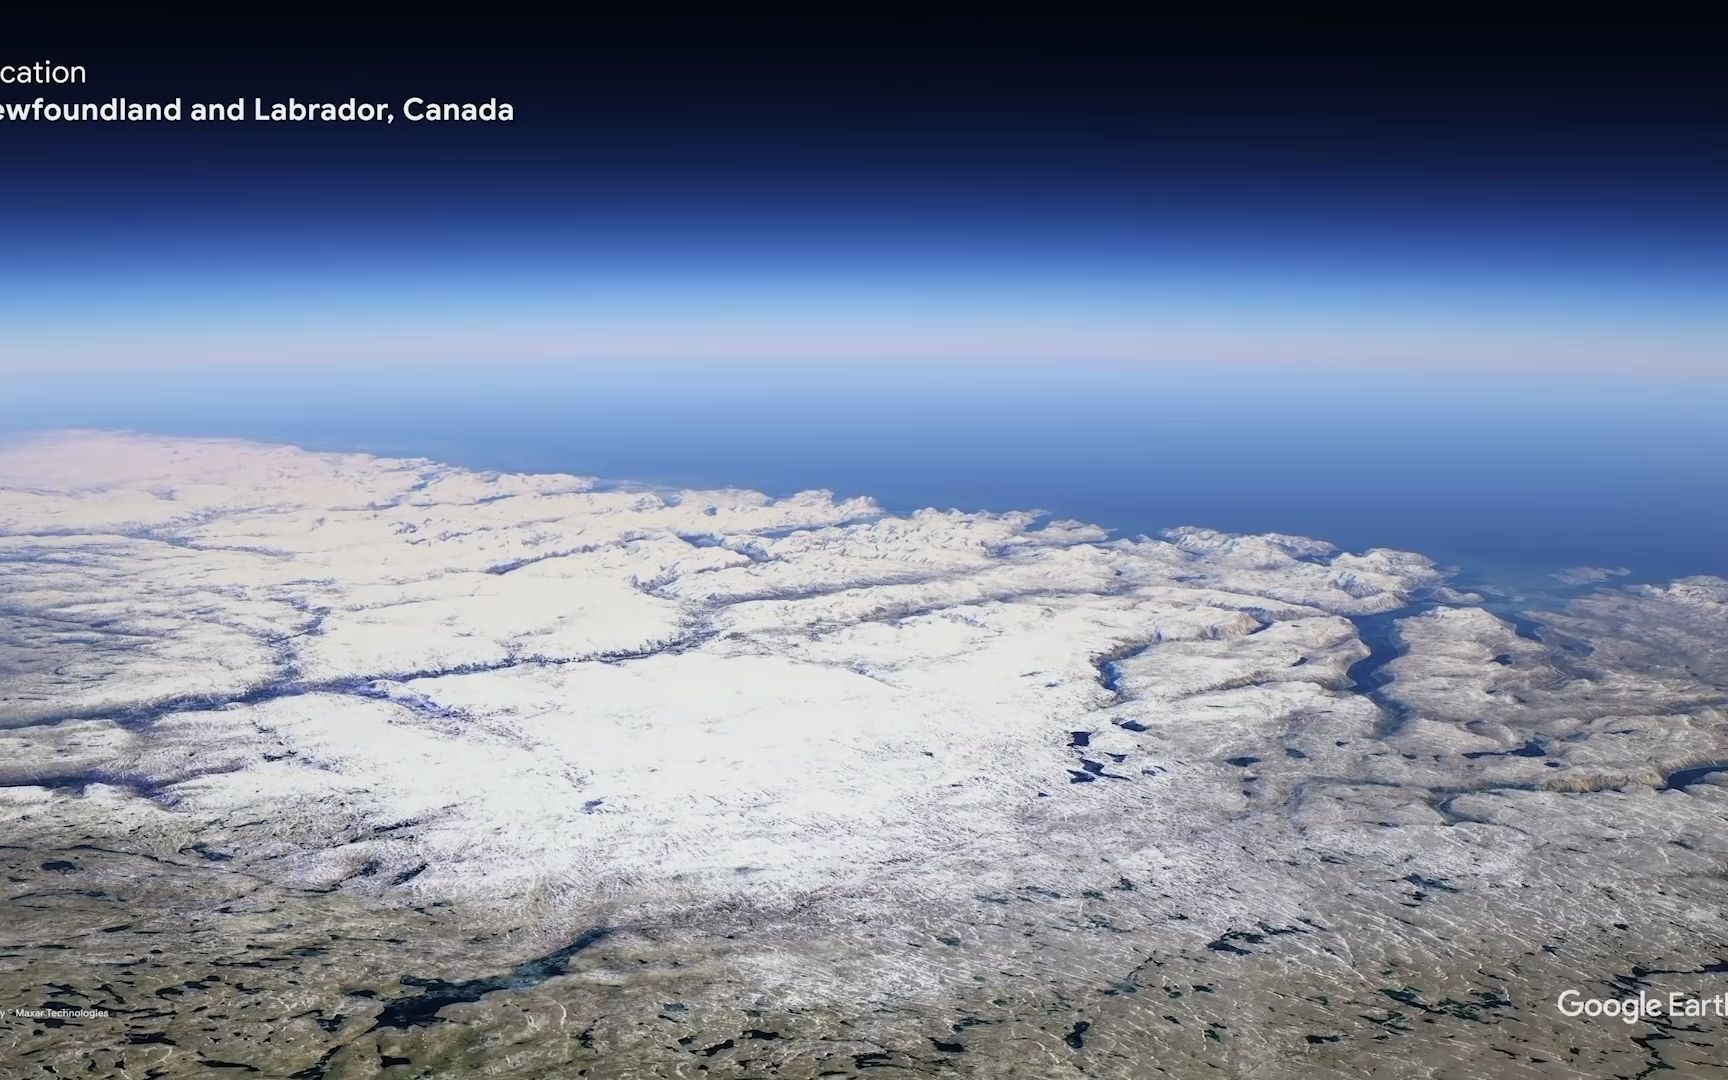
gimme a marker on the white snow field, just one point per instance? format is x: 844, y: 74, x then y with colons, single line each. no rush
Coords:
x: 351, y: 766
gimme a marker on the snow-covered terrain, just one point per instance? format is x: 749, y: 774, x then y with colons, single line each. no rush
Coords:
x: 403, y: 766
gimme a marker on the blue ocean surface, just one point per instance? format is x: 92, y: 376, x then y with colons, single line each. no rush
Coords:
x: 1509, y: 479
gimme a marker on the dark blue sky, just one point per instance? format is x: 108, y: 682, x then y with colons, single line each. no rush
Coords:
x: 1329, y: 193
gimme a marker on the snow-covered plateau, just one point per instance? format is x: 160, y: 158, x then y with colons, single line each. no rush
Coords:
x: 330, y: 765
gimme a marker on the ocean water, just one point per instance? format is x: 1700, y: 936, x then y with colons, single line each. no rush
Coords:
x: 1507, y: 478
